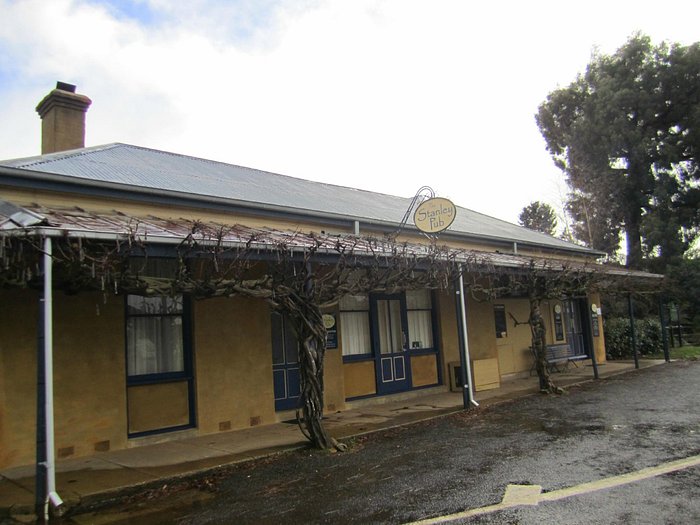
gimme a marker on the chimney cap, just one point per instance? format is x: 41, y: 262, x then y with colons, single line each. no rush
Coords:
x: 65, y: 86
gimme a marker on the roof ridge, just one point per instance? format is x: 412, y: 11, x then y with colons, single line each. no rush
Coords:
x: 38, y: 160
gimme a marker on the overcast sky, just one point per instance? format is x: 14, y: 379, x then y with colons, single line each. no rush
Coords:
x: 385, y: 95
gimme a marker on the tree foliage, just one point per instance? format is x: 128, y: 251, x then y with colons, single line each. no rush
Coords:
x: 592, y: 226
x: 627, y: 135
x: 539, y: 216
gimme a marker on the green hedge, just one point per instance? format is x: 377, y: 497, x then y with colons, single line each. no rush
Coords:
x: 618, y: 343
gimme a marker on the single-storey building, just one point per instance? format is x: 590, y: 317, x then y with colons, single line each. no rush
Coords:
x: 129, y: 369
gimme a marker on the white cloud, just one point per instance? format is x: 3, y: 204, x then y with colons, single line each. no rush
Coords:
x: 383, y: 95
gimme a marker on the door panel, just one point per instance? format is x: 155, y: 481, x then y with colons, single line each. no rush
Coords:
x: 389, y: 324
x: 574, y: 327
x: 285, y: 365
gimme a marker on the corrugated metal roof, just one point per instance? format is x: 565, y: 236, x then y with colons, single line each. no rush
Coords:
x: 144, y: 168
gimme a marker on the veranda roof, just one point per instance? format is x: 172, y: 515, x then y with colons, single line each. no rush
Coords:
x: 78, y: 223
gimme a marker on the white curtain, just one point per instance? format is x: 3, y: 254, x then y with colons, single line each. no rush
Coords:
x: 154, y: 335
x: 354, y: 330
x: 420, y: 329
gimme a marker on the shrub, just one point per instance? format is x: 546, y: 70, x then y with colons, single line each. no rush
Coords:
x: 618, y: 342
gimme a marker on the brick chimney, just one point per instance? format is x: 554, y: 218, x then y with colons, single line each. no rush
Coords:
x: 62, y: 115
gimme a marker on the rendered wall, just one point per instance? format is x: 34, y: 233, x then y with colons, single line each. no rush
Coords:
x: 17, y: 376
x: 481, y: 330
x: 514, y: 355
x: 447, y: 330
x: 424, y: 370
x: 334, y: 379
x: 233, y: 364
x: 89, y: 375
x: 599, y: 341
x: 359, y: 378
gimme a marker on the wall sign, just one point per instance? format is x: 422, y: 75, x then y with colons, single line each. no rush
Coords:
x: 331, y: 331
x: 434, y: 215
x: 558, y: 323
x: 595, y: 311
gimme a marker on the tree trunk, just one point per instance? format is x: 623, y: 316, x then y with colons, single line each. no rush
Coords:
x: 636, y: 197
x: 633, y: 236
x: 539, y: 345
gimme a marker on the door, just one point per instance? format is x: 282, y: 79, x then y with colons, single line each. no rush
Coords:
x: 285, y: 363
x: 390, y: 343
x: 574, y: 326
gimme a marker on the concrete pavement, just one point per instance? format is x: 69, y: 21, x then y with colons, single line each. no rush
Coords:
x: 102, y: 476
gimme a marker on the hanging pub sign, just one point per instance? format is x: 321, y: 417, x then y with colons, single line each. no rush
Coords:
x: 434, y: 215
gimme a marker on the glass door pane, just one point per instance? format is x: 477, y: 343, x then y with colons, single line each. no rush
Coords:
x: 389, y: 326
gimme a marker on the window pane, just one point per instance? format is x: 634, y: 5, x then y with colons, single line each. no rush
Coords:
x: 499, y: 312
x: 277, y: 339
x: 140, y: 305
x: 390, y: 330
x: 154, y: 345
x: 154, y: 266
x: 354, y: 332
x: 354, y: 302
x: 418, y: 299
x: 291, y: 345
x: 420, y: 329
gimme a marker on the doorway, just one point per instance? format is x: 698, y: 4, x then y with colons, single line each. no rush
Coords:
x: 285, y: 363
x: 389, y: 322
x: 575, y: 321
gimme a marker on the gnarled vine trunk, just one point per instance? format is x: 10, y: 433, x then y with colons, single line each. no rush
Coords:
x: 539, y: 345
x: 307, y: 320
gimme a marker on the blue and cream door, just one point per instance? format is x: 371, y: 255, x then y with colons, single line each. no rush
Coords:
x: 285, y: 363
x: 390, y: 343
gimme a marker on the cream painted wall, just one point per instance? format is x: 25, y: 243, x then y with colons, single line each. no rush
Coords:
x: 233, y: 363
x: 482, y: 329
x: 598, y: 342
x: 89, y: 375
x: 447, y: 328
x: 514, y: 354
x: 17, y: 376
x: 333, y: 374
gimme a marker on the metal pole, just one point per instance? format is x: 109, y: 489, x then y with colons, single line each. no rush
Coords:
x: 462, y: 359
x: 633, y: 334
x: 664, y: 328
x: 594, y: 359
x: 465, y: 337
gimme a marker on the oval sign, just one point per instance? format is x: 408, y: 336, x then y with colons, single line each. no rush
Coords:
x: 434, y: 215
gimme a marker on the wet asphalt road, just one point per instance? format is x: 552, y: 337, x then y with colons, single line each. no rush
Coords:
x: 465, y: 461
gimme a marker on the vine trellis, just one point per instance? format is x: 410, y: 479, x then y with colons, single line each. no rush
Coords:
x: 299, y: 274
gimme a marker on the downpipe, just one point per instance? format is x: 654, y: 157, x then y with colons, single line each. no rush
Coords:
x: 468, y: 366
x: 53, y: 504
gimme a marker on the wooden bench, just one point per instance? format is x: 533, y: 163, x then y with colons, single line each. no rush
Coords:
x: 558, y: 357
